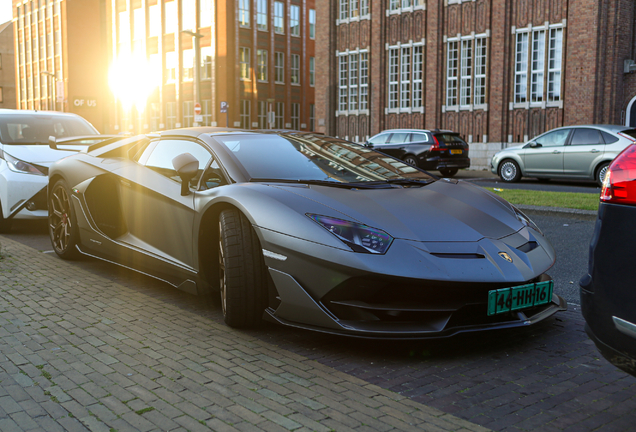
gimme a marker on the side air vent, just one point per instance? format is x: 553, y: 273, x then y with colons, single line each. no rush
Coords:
x: 458, y: 255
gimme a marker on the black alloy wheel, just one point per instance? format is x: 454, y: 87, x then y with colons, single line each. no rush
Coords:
x: 62, y: 222
x: 242, y: 271
x: 509, y: 171
x: 448, y: 172
x: 410, y: 160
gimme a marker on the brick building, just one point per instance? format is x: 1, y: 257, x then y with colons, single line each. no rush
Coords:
x: 7, y: 66
x: 497, y: 71
x: 255, y: 56
x: 59, y: 47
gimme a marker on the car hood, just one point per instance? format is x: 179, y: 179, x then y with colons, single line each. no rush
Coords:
x: 517, y: 147
x: 39, y: 154
x: 441, y: 211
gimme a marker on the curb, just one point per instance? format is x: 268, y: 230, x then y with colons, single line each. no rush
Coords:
x: 556, y: 209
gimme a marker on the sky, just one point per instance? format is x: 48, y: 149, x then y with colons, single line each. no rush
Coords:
x: 5, y: 11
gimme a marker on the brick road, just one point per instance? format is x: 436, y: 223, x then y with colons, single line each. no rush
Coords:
x: 81, y: 352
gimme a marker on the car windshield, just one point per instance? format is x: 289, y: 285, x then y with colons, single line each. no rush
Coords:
x: 36, y: 129
x: 316, y: 158
x: 450, y: 138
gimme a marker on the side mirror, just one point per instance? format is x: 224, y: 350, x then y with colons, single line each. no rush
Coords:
x: 533, y: 144
x: 52, y: 142
x: 187, y: 166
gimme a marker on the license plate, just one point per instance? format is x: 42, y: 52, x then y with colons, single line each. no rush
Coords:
x: 456, y: 152
x: 519, y: 297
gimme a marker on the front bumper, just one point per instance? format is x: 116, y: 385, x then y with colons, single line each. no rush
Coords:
x: 22, y: 196
x: 415, y: 291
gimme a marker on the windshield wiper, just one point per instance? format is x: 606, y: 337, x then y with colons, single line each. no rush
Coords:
x: 337, y: 184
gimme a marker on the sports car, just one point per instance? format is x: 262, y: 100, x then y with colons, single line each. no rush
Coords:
x: 304, y: 230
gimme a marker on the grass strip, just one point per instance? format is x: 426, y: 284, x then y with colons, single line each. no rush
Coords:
x: 573, y: 200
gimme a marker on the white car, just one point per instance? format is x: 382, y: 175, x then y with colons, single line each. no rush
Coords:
x: 25, y: 157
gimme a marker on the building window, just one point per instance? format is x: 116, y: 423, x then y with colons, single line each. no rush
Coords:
x: 295, y: 69
x: 397, y: 5
x: 295, y: 116
x: 206, y: 13
x: 279, y: 67
x: 406, y: 65
x: 171, y: 66
x: 418, y: 75
x: 279, y: 116
x: 244, y: 63
x: 154, y: 20
x: 206, y: 63
x: 261, y: 15
x: 188, y: 14
x: 394, y: 61
x: 312, y: 117
x: 353, y: 81
x: 206, y: 112
x: 294, y: 20
x: 405, y: 77
x: 312, y: 71
x: 188, y: 65
x: 262, y: 115
x: 244, y: 13
x: 188, y: 113
x: 344, y: 9
x: 279, y: 17
x: 466, y: 61
x: 245, y: 114
x: 353, y: 9
x: 171, y: 16
x: 261, y: 65
x: 364, y: 7
x: 312, y: 23
x: 171, y: 115
x: 531, y: 67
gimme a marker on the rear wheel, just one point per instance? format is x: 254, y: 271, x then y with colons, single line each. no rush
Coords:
x: 242, y: 271
x: 448, y: 172
x: 509, y: 171
x: 62, y: 222
x: 600, y: 173
x: 410, y: 159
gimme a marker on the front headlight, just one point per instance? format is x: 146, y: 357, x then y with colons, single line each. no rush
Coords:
x: 359, y: 237
x: 525, y: 220
x: 16, y: 165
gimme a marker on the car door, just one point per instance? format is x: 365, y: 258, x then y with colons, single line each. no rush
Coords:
x: 545, y: 156
x: 586, y: 145
x: 159, y: 219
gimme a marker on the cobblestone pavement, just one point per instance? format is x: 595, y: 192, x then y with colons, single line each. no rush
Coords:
x: 81, y: 352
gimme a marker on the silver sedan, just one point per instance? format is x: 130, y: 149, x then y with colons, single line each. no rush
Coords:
x: 577, y: 152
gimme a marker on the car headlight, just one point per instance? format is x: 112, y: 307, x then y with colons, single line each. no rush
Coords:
x: 525, y: 220
x: 16, y: 165
x: 359, y: 237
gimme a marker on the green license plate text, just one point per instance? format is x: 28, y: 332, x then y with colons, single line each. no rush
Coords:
x: 519, y: 297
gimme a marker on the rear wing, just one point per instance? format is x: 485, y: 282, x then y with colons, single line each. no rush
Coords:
x: 85, y: 140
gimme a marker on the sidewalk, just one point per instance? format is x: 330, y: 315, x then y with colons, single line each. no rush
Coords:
x: 80, y: 352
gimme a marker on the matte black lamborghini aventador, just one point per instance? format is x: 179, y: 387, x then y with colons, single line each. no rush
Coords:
x: 306, y: 230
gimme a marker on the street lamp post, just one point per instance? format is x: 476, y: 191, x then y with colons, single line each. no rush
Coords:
x: 51, y: 91
x: 197, y: 66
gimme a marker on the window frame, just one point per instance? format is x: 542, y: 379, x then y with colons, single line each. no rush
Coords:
x: 262, y: 65
x: 294, y: 20
x: 245, y: 59
x: 261, y: 15
x: 353, y: 85
x: 295, y: 70
x: 243, y: 7
x: 462, y: 77
x: 402, y: 76
x: 279, y: 20
x: 279, y: 68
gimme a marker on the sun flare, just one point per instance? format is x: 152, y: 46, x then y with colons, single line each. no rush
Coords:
x: 132, y: 80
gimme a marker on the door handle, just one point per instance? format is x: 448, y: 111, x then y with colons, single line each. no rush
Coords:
x: 556, y: 152
x: 594, y: 151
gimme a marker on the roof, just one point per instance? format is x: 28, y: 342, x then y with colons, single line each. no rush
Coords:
x: 3, y: 26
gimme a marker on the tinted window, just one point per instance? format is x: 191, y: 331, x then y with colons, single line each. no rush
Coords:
x: 36, y: 129
x: 311, y: 157
x: 160, y: 157
x: 449, y: 139
x: 399, y: 137
x: 585, y: 136
x: 609, y: 138
x: 379, y: 139
x: 419, y: 137
x: 553, y: 139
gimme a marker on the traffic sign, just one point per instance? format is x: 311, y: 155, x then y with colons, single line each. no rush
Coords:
x: 197, y: 108
x: 224, y: 106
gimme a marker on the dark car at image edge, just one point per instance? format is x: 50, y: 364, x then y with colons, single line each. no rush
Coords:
x: 608, y: 291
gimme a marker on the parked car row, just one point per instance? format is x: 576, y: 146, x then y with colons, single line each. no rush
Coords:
x: 320, y: 233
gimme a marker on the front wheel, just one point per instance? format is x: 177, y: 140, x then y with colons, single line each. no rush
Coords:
x: 448, y: 172
x: 410, y: 159
x: 601, y: 171
x: 242, y: 271
x: 62, y: 222
x: 509, y: 171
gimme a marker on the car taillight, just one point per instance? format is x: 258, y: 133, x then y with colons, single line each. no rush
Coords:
x: 435, y: 146
x: 619, y: 185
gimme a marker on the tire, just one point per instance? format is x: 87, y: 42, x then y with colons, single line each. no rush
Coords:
x: 242, y: 271
x: 62, y: 222
x: 509, y: 171
x: 410, y: 160
x: 5, y: 224
x: 600, y: 172
x: 448, y: 172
